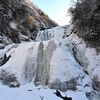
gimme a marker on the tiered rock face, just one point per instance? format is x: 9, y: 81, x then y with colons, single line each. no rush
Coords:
x: 92, y: 55
x: 20, y: 21
x: 55, y: 62
x: 49, y: 63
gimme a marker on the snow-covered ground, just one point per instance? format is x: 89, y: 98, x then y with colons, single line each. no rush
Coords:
x: 31, y: 92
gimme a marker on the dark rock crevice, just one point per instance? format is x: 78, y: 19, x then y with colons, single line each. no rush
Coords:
x: 4, y: 59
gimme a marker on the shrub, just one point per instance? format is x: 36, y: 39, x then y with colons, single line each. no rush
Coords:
x: 31, y: 19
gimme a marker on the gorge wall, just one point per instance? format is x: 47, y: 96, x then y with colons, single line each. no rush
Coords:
x: 20, y: 20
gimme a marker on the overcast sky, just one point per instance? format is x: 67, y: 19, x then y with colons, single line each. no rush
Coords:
x: 55, y: 9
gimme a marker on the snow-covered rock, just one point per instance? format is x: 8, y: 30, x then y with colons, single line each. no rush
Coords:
x: 93, y: 59
x: 18, y: 64
x: 51, y: 63
x: 54, y: 60
x: 2, y: 46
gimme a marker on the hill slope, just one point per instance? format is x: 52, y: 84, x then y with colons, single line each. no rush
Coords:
x: 20, y: 21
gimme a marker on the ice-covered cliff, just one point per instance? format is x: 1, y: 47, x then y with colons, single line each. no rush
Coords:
x: 56, y: 59
x: 54, y: 33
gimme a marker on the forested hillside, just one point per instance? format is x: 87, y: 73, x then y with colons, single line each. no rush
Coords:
x: 86, y: 20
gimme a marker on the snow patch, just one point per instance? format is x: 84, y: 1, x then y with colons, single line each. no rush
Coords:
x: 13, y: 25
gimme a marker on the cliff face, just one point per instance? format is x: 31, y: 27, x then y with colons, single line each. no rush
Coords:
x: 50, y: 62
x: 20, y: 21
x: 61, y: 62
